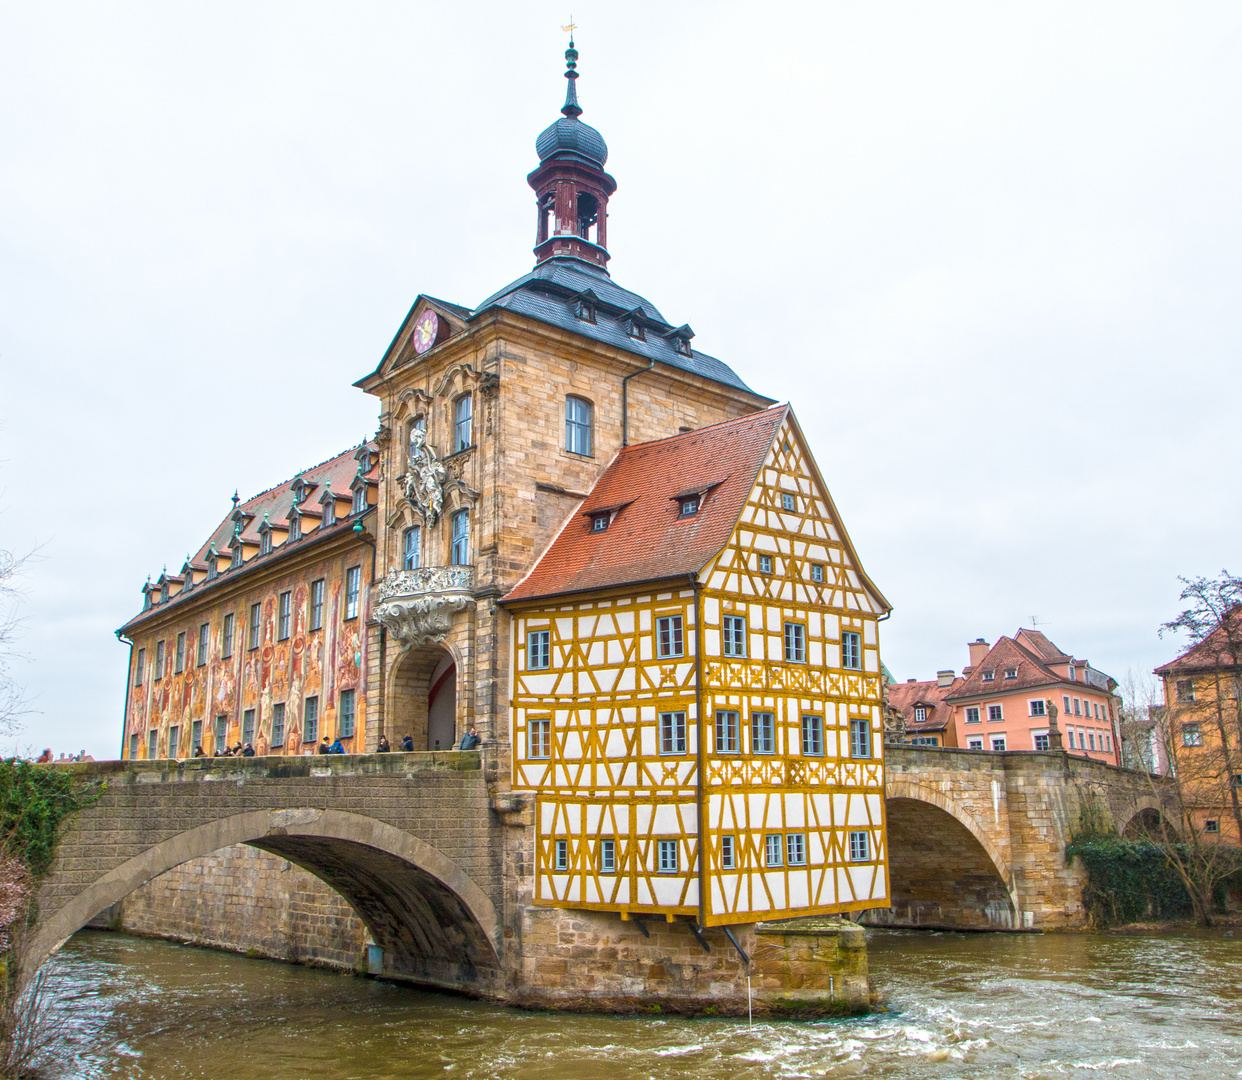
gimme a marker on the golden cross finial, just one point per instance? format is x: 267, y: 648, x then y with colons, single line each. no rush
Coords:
x: 571, y: 27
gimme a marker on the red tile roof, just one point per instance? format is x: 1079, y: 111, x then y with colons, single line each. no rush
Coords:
x: 1004, y: 655
x: 905, y: 696
x: 1217, y: 650
x: 647, y: 539
x: 1043, y: 648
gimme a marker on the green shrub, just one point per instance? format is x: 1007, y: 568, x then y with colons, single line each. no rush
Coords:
x: 34, y: 800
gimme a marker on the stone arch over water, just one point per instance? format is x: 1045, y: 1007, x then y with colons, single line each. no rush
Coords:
x: 434, y: 923
x: 944, y: 869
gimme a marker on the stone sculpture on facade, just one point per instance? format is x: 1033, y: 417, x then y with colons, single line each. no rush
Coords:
x: 424, y: 478
x: 417, y: 606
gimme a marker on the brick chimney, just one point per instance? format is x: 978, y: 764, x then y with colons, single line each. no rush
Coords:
x: 945, y: 678
x: 978, y: 650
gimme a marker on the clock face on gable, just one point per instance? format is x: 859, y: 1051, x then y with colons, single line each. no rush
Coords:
x: 426, y: 331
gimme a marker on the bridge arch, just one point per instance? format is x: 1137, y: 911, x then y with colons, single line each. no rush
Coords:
x: 434, y: 923
x: 945, y: 869
x: 1145, y: 820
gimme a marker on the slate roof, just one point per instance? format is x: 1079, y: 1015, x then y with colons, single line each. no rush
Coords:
x: 905, y: 696
x: 276, y: 504
x: 647, y: 540
x: 1213, y: 651
x: 547, y: 292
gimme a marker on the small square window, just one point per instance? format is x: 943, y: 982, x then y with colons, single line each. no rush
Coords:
x: 538, y: 650
x: 668, y: 856
x: 860, y: 847
x: 989, y: 676
x: 607, y: 856
x: 972, y: 714
x: 599, y: 522
x: 788, y: 502
x: 851, y: 650
x: 1212, y: 825
x: 1037, y: 707
x: 817, y: 573
x: 975, y: 744
x: 690, y: 506
x: 1185, y: 690
x: 998, y: 742
x: 1192, y: 735
x: 1041, y: 742
x: 1011, y: 673
x: 672, y: 733
x: 996, y: 713
x: 795, y: 849
x: 773, y: 850
x: 728, y: 853
x: 765, y: 564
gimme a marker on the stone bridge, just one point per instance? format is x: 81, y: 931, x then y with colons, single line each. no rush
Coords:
x: 407, y: 839
x: 977, y: 838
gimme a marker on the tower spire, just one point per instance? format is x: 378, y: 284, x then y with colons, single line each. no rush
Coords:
x: 571, y: 107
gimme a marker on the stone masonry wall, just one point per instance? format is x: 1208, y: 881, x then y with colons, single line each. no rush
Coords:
x: 245, y: 900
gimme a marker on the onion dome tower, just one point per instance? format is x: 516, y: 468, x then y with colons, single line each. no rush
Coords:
x: 571, y: 187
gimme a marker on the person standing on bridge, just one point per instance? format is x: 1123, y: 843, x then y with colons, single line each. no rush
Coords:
x: 407, y: 744
x: 383, y: 747
x: 470, y: 740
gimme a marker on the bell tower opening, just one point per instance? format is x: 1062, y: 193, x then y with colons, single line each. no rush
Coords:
x: 571, y: 186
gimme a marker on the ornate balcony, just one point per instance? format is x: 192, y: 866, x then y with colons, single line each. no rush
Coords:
x: 417, y: 606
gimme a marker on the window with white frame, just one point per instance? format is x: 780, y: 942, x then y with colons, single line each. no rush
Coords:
x: 860, y: 847
x: 353, y: 587
x: 851, y: 650
x: 689, y: 505
x: 204, y: 635
x: 812, y: 736
x: 560, y: 856
x: 920, y: 714
x: 788, y: 502
x: 1041, y: 741
x: 1037, y: 707
x: 539, y: 738
x: 329, y: 513
x: 728, y: 853
x: 461, y: 538
x: 159, y: 660
x: 669, y: 636
x: 411, y: 545
x: 278, y: 724
x: 360, y: 497
x: 140, y: 667
x: 998, y: 742
x: 773, y: 850
x: 860, y: 737
x: 817, y: 573
x: 1091, y: 740
x: 734, y: 635
x: 256, y: 614
x: 726, y: 731
x: 463, y: 418
x: 418, y: 424
x: 795, y: 643
x: 672, y: 733
x: 577, y: 425
x: 1077, y: 706
x: 972, y: 714
x: 538, y: 650
x: 226, y: 637
x: 996, y: 713
x: 284, y: 613
x: 1066, y: 700
x: 765, y: 564
x: 975, y: 744
x: 795, y: 849
x: 265, y: 542
x: 668, y: 856
x: 1011, y: 673
x: 607, y: 856
x: 316, y: 604
x: 600, y: 522
x: 762, y: 733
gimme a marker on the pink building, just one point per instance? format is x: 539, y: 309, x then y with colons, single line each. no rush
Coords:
x: 1012, y: 692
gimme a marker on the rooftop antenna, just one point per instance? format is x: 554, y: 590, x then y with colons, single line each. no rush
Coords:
x: 1036, y: 623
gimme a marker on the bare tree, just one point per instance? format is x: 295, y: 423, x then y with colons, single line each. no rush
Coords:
x: 12, y: 701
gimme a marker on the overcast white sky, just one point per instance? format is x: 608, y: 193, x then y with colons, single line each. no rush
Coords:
x: 991, y: 253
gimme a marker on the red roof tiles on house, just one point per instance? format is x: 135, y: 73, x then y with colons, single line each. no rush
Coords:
x: 648, y: 539
x: 907, y: 696
x: 1222, y: 648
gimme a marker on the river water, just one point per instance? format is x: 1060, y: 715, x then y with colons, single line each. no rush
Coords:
x: 960, y: 1006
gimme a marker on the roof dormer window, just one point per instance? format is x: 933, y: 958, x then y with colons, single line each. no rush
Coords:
x: 632, y: 323
x: 265, y: 542
x: 164, y: 592
x: 237, y: 555
x: 599, y: 522
x: 295, y: 526
x: 989, y: 676
x: 680, y: 339
x: 689, y: 505
x: 329, y: 511
x: 187, y: 576
x: 920, y: 714
x: 1011, y: 673
x: 360, y: 498
x: 146, y: 596
x: 583, y: 306
x: 213, y: 565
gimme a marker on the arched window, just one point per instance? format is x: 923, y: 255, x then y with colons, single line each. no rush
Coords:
x: 461, y: 538
x: 411, y: 557
x: 360, y: 498
x: 578, y: 425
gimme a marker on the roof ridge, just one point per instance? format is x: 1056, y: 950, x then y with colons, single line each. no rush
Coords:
x: 326, y: 461
x: 751, y: 416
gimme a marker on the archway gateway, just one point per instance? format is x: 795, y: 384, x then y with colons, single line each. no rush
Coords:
x: 422, y: 698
